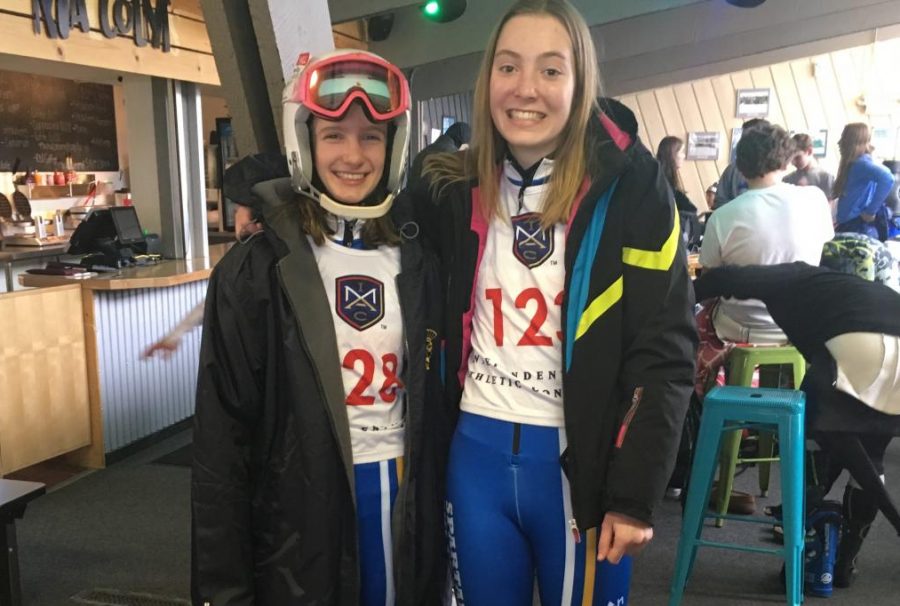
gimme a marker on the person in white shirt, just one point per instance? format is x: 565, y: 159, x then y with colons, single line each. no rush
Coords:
x: 772, y: 222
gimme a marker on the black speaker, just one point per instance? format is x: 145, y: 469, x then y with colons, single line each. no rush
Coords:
x: 745, y: 3
x: 378, y: 28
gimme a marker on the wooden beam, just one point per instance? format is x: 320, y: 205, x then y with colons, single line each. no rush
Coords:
x: 190, y: 58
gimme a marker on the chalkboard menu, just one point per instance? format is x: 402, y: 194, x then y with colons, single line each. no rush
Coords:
x: 44, y: 119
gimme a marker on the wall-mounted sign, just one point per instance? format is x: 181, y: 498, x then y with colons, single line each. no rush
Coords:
x: 883, y: 140
x: 702, y: 146
x: 138, y: 19
x: 820, y: 142
x: 752, y: 102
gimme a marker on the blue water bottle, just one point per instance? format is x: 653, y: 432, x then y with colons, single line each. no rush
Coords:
x: 823, y: 531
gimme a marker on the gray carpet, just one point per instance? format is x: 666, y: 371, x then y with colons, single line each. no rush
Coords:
x: 127, y: 528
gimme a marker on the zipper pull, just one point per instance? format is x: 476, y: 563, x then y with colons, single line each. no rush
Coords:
x: 576, y: 534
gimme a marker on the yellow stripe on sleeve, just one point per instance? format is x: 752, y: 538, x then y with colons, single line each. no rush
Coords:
x: 661, y: 259
x: 590, y: 567
x: 600, y: 306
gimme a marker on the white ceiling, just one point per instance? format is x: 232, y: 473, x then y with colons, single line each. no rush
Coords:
x: 415, y: 41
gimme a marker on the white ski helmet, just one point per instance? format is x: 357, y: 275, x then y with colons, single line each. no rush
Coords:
x: 325, y: 86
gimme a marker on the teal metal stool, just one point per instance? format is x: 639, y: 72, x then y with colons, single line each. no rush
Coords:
x: 781, y: 409
x: 742, y: 361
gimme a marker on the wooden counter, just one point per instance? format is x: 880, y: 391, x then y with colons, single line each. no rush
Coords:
x: 44, y: 400
x: 120, y: 314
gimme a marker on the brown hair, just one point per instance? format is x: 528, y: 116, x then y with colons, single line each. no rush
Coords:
x: 853, y: 143
x: 763, y: 149
x: 488, y: 147
x: 665, y: 154
x: 313, y: 222
x: 802, y: 142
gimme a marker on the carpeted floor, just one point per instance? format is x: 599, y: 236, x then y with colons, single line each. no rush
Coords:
x: 127, y: 528
x: 180, y: 457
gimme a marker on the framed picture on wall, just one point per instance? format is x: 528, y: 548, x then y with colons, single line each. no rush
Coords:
x: 735, y: 137
x: 820, y: 142
x: 752, y: 102
x: 883, y: 138
x: 703, y: 146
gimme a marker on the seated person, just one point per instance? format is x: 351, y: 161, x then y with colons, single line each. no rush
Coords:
x: 772, y: 222
x: 848, y: 329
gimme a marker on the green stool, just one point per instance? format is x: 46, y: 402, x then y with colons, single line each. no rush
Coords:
x: 742, y: 361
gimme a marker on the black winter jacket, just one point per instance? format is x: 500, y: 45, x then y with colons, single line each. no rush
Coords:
x: 629, y: 333
x: 273, y: 504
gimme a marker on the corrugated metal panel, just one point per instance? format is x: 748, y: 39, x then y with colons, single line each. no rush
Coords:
x: 432, y: 111
x: 140, y: 397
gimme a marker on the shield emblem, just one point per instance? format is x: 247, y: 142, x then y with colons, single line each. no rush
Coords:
x: 359, y: 301
x: 532, y: 245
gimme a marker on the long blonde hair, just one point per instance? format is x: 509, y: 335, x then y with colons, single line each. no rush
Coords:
x: 488, y: 146
x: 853, y: 143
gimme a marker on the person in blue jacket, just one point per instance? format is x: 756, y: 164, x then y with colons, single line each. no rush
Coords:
x: 861, y: 186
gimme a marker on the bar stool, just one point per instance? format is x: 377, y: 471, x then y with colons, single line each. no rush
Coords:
x: 742, y: 362
x: 756, y: 408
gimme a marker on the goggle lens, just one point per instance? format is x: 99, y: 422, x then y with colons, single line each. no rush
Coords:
x: 330, y: 85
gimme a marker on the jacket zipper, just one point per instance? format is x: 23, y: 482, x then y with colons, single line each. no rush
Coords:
x: 576, y: 534
x: 636, y: 396
x: 623, y: 429
x: 403, y: 486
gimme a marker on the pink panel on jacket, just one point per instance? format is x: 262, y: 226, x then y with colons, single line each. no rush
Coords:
x: 622, y: 141
x: 480, y: 227
x: 619, y: 136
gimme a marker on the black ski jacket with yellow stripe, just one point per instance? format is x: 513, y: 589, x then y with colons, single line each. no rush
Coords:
x: 629, y: 334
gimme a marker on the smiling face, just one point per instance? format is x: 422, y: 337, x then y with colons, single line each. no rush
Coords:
x: 531, y: 86
x: 349, y: 155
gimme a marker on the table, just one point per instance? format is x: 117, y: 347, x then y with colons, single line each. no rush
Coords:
x: 11, y: 254
x: 14, y: 497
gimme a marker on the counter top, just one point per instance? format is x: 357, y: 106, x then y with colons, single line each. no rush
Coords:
x: 19, y: 253
x: 160, y: 275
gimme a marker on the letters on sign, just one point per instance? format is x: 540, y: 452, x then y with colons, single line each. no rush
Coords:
x: 139, y: 19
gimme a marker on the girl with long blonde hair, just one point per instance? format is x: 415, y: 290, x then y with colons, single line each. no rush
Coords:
x: 861, y: 186
x: 569, y: 336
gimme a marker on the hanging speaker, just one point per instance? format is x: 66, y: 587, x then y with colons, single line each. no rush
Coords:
x: 745, y: 3
x: 378, y: 28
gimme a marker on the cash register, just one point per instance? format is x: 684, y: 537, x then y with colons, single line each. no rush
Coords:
x: 110, y: 237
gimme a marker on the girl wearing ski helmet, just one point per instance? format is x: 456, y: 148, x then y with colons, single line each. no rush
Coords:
x: 569, y: 329
x: 312, y: 482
